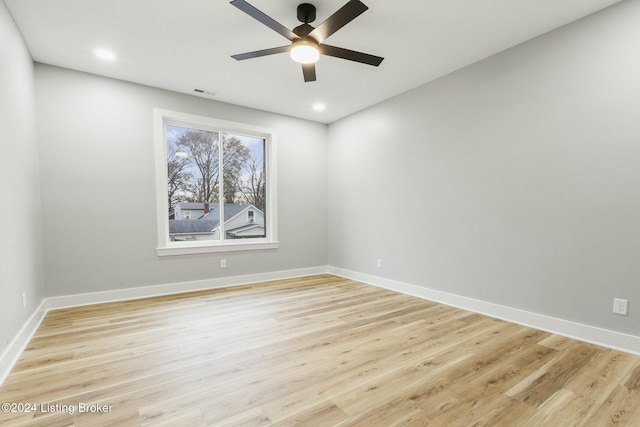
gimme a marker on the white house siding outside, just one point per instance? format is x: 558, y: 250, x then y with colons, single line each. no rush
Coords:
x: 188, y: 210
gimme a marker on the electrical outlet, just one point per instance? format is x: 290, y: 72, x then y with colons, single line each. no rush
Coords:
x: 379, y: 263
x: 223, y: 263
x: 620, y: 306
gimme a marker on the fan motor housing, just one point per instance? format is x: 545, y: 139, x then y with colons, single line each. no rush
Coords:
x: 302, y: 30
x: 306, y: 13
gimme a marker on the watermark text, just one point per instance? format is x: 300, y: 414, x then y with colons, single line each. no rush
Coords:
x: 55, y: 408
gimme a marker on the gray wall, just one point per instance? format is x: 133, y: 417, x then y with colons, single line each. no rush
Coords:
x: 99, y: 216
x: 21, y: 266
x: 515, y: 180
x: 512, y: 181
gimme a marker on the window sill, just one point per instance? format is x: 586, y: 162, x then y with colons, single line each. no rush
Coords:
x: 206, y: 247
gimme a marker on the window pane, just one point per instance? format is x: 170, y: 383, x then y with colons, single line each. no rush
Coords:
x: 244, y: 186
x: 192, y: 184
x: 216, y: 183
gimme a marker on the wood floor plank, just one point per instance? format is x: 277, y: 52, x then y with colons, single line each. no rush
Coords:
x: 324, y: 414
x: 621, y: 408
x: 252, y: 417
x: 319, y: 350
x: 606, y: 371
x: 557, y: 374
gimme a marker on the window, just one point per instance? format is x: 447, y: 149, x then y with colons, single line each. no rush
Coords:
x: 215, y: 185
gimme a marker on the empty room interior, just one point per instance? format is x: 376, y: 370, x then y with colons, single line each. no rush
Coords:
x: 432, y: 219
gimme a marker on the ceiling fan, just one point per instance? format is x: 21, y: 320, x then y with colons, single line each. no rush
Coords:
x: 307, y: 41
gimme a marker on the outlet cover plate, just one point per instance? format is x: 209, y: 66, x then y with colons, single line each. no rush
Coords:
x: 620, y: 306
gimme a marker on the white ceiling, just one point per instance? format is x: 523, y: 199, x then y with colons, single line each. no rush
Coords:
x: 185, y: 45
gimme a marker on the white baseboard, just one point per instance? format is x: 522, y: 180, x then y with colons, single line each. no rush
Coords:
x: 15, y: 348
x: 582, y: 332
x: 54, y: 303
x: 591, y: 334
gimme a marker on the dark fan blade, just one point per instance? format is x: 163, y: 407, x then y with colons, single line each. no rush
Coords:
x: 259, y: 53
x: 351, y: 55
x: 269, y: 22
x: 342, y: 17
x: 309, y: 72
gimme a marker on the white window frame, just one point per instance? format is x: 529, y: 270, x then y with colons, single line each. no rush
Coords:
x: 165, y: 246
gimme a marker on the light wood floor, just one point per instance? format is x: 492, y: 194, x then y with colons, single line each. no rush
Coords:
x: 322, y: 351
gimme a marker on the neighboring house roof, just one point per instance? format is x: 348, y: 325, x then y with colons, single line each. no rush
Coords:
x: 244, y: 228
x: 191, y: 226
x: 230, y: 210
x: 207, y: 222
x: 191, y: 205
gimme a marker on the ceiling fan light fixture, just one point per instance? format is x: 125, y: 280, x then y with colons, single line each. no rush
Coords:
x: 305, y: 52
x: 307, y: 42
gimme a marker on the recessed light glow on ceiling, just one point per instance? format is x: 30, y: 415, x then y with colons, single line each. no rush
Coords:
x: 319, y: 107
x: 105, y: 54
